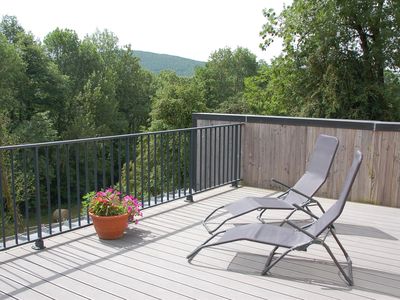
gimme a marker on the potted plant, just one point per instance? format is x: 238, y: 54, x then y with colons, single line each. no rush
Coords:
x: 111, y: 211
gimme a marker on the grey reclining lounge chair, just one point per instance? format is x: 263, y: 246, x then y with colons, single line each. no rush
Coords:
x: 301, y: 193
x: 294, y: 237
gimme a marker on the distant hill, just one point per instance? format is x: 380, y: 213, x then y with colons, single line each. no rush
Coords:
x: 156, y: 63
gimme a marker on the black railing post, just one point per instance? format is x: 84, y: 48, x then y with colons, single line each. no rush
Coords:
x: 39, y: 244
x: 236, y: 156
x: 192, y: 158
x: 2, y: 206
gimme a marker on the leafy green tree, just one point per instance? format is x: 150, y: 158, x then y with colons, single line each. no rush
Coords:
x: 45, y: 88
x: 11, y: 29
x: 134, y: 89
x: 12, y: 71
x: 95, y: 109
x: 62, y: 46
x: 40, y: 128
x: 338, y: 51
x: 223, y: 75
x: 174, y: 102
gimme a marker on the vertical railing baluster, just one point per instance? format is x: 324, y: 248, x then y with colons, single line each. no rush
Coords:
x: 135, y: 166
x: 236, y: 158
x: 87, y: 178
x: 173, y: 164
x: 77, y: 171
x: 220, y: 170
x: 68, y: 186
x: 201, y: 159
x: 148, y: 169
x: 227, y: 154
x: 155, y: 168
x: 119, y: 162
x: 192, y: 161
x: 223, y: 155
x: 240, y: 152
x: 161, y: 168
x: 39, y: 242
x: 112, y: 163
x: 179, y: 165
x: 210, y: 160
x: 26, y: 200
x: 2, y: 208
x: 231, y: 143
x: 103, y: 163
x: 141, y: 170
x: 58, y: 187
x: 14, y: 202
x: 95, y: 165
x: 49, y: 213
x: 167, y: 163
x: 205, y: 156
x: 127, y: 167
x: 215, y: 157
x: 185, y: 157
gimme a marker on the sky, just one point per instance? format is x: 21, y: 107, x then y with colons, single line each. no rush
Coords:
x: 187, y: 28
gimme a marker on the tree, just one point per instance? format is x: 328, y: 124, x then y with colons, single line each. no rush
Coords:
x: 339, y: 51
x: 45, y: 88
x: 95, y: 109
x: 174, y: 102
x: 133, y: 90
x: 11, y: 29
x: 62, y: 46
x: 12, y: 71
x: 223, y: 75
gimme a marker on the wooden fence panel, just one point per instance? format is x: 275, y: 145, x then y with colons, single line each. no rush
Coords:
x: 278, y: 147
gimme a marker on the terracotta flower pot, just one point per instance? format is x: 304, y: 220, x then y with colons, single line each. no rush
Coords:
x: 110, y: 227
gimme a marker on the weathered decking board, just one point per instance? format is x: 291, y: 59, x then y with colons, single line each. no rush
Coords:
x: 149, y: 261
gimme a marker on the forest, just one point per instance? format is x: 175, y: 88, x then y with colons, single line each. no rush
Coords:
x: 340, y: 59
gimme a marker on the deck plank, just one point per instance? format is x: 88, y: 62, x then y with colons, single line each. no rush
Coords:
x: 149, y: 261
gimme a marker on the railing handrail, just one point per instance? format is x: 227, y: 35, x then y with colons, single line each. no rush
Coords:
x: 43, y: 179
x: 110, y: 137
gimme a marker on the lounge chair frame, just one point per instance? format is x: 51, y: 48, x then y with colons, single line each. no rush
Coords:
x: 311, y: 233
x: 326, y: 146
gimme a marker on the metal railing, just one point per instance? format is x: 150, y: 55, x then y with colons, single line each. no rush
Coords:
x: 41, y: 185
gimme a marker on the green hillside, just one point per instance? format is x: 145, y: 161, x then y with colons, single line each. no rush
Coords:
x: 156, y: 63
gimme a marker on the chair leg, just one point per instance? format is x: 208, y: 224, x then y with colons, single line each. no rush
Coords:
x: 270, y: 256
x: 259, y: 217
x: 208, y: 217
x: 347, y: 276
x: 269, y: 264
x: 320, y: 207
x: 191, y: 255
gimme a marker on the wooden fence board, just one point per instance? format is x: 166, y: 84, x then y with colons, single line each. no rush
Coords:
x: 281, y: 151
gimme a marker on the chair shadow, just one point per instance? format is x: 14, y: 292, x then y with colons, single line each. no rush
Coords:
x: 363, y: 230
x: 323, y: 273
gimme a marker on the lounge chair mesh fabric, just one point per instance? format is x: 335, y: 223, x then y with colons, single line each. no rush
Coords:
x: 314, y: 177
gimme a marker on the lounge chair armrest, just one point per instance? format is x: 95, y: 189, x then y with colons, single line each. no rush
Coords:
x: 298, y: 207
x: 300, y: 229
x: 280, y: 183
x: 311, y: 199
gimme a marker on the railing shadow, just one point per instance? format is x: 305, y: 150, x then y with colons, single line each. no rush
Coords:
x: 134, y: 238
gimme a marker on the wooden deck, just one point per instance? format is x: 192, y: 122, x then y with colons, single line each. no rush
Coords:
x: 149, y: 261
